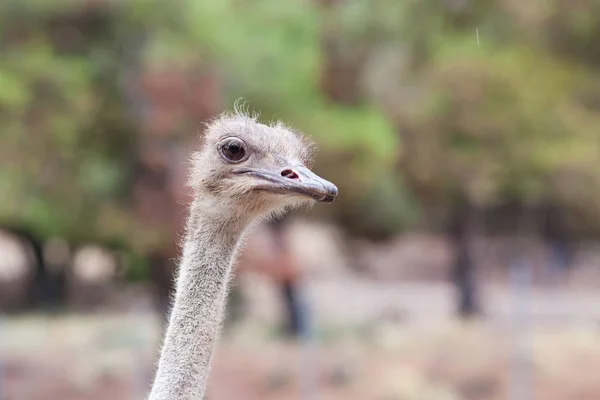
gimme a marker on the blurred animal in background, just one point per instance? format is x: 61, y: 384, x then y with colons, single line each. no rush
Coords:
x: 245, y: 172
x: 17, y: 273
x: 49, y: 275
x: 91, y: 277
x: 270, y: 254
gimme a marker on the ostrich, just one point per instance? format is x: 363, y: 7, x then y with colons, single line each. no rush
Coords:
x: 244, y: 172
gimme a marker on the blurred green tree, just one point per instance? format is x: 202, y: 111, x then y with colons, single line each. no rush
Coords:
x: 99, y: 101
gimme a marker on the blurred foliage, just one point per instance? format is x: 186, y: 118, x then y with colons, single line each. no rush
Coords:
x: 409, y: 108
x: 487, y: 101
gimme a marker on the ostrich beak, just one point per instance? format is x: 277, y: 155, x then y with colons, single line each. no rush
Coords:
x: 296, y: 179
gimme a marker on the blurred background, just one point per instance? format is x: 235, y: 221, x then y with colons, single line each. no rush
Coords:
x: 461, y: 261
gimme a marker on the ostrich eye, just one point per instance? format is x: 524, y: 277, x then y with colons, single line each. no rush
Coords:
x: 233, y: 150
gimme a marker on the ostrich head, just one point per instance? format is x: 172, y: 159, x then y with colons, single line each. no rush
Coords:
x: 246, y: 169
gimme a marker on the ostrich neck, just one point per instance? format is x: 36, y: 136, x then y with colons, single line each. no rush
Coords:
x: 203, y: 277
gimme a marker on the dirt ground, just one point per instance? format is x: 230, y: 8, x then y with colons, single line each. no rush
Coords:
x: 95, y: 357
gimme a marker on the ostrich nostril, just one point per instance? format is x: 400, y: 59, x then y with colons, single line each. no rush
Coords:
x: 290, y: 174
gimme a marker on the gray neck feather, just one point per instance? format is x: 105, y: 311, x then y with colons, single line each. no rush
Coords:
x: 202, y: 284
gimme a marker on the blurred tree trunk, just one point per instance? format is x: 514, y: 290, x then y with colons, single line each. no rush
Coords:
x: 557, y: 235
x: 465, y: 229
x: 343, y: 59
x: 162, y: 275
